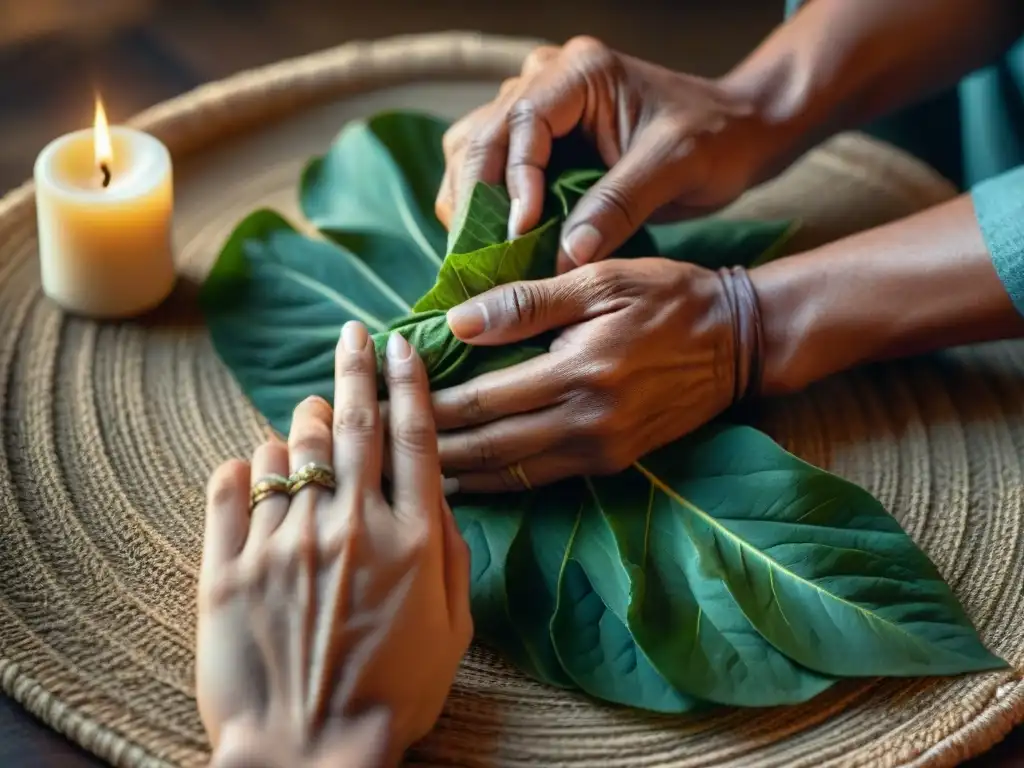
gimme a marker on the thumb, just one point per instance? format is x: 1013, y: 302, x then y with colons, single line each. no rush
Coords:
x: 519, y: 311
x: 617, y: 205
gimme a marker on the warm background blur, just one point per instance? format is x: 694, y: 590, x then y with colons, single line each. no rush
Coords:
x: 53, y: 53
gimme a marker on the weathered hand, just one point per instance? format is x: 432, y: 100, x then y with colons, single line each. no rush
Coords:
x: 651, y: 349
x: 676, y: 145
x: 331, y: 623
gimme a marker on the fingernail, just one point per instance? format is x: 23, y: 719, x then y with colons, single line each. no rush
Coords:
x: 353, y: 336
x: 398, y: 348
x: 514, y: 213
x: 450, y: 485
x: 468, y: 320
x: 581, y: 244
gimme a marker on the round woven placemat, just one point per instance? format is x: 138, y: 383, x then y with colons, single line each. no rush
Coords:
x: 109, y: 432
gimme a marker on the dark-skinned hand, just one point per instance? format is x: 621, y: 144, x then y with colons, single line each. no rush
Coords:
x: 677, y: 145
x: 649, y: 349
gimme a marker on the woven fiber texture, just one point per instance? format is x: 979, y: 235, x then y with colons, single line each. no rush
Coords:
x: 109, y: 432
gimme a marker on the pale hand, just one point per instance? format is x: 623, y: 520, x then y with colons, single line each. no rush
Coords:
x: 331, y: 624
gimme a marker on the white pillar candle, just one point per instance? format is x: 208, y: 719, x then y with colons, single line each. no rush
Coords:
x: 105, y: 203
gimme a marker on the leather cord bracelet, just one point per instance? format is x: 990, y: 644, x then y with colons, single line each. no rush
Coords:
x: 748, y: 334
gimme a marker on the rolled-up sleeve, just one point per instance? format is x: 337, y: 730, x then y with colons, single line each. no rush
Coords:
x: 999, y: 206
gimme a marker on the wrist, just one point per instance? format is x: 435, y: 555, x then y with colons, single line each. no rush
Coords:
x: 906, y: 288
x: 790, y: 320
x: 789, y: 101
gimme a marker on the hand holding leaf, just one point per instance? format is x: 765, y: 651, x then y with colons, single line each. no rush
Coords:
x: 646, y: 351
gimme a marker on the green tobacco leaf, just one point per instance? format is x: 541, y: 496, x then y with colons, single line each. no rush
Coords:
x: 535, y: 559
x: 428, y: 333
x: 275, y: 302
x: 814, y: 562
x: 393, y: 259
x: 489, y: 525
x: 483, y: 222
x: 507, y: 534
x: 680, y: 613
x: 593, y: 642
x: 464, y: 275
x: 480, y: 257
x: 381, y: 176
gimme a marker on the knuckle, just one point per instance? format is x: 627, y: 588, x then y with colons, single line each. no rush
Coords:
x: 443, y: 205
x: 414, y: 434
x: 313, y: 406
x: 478, y: 147
x: 508, y: 85
x: 225, y: 485
x: 538, y: 57
x: 311, y: 442
x: 602, y: 375
x: 483, y: 451
x: 253, y: 573
x: 280, y: 558
x: 612, y: 200
x: 522, y: 303
x: 603, y: 281
x: 522, y: 113
x: 409, y: 374
x: 356, y: 363
x: 473, y: 407
x: 355, y: 420
x: 590, y: 54
x: 452, y: 138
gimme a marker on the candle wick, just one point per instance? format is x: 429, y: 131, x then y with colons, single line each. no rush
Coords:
x: 106, y: 175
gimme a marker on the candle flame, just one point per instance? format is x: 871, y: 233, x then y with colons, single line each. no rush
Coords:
x: 101, y: 137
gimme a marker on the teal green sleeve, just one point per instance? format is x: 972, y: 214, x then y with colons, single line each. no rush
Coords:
x: 999, y: 206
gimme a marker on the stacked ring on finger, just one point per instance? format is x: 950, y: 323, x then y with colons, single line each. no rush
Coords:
x: 267, y: 486
x: 516, y: 471
x: 313, y: 473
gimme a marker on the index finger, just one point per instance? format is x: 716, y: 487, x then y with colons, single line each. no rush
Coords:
x: 415, y: 467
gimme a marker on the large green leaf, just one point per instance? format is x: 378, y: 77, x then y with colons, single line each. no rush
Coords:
x: 392, y: 259
x: 275, y: 302
x: 592, y: 638
x: 489, y: 527
x: 814, y: 562
x: 718, y: 569
x: 381, y: 176
x: 683, y: 619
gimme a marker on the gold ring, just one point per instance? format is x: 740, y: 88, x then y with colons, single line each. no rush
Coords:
x: 517, y: 471
x: 267, y: 487
x: 312, y: 474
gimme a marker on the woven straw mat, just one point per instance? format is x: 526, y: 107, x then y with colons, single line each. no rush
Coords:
x: 110, y: 431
